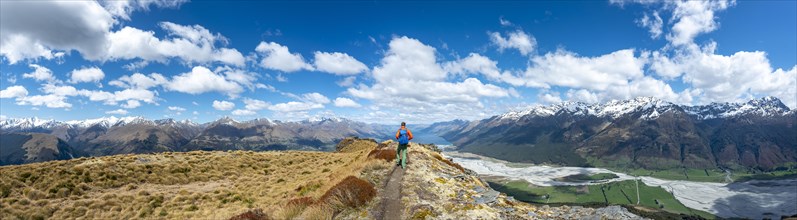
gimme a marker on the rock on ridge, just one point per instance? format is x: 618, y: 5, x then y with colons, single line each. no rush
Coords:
x: 435, y: 188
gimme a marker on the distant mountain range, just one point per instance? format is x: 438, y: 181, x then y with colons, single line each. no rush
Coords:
x: 643, y: 132
x: 29, y: 148
x: 112, y: 135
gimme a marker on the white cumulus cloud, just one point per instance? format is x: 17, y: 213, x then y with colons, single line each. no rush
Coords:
x: 140, y: 81
x: 13, y: 92
x: 113, y: 98
x: 694, y: 17
x: 90, y: 74
x: 727, y: 78
x: 689, y: 18
x: 346, y: 102
x: 201, y: 80
x: 315, y: 98
x: 223, y: 105
x: 40, y: 73
x: 50, y: 101
x: 413, y: 85
x: 515, y: 40
x: 338, y: 63
x: 176, y: 108
x: 131, y: 104
x: 26, y: 33
x: 242, y: 77
x: 192, y: 44
x: 59, y: 90
x: 654, y: 24
x: 549, y: 98
x: 117, y: 112
x: 478, y: 64
x: 255, y: 105
x: 251, y: 106
x: 295, y: 106
x: 346, y: 82
x: 278, y: 57
x: 243, y: 112
x: 564, y: 68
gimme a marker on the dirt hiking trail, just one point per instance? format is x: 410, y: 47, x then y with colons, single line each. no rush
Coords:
x: 390, y: 206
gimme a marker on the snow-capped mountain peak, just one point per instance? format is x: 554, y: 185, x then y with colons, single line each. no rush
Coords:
x: 226, y: 120
x: 27, y: 123
x: 535, y: 110
x: 765, y: 106
x: 319, y: 119
x: 613, y: 109
x: 107, y: 122
x: 652, y: 107
x: 617, y: 108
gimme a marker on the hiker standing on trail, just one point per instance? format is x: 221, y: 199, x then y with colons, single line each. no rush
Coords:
x: 404, y: 135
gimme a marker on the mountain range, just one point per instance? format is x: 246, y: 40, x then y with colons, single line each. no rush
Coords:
x: 112, y: 135
x: 643, y: 132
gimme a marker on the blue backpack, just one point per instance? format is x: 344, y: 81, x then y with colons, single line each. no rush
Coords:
x: 403, y: 137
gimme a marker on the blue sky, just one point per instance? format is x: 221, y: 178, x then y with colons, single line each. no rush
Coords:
x: 384, y: 62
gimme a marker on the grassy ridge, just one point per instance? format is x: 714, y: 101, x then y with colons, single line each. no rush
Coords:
x: 620, y: 193
x: 169, y: 185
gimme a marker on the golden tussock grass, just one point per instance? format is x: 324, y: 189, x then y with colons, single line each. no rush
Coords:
x: 352, y: 192
x: 348, y: 194
x: 318, y: 212
x: 171, y: 185
x: 384, y: 154
x: 294, y: 207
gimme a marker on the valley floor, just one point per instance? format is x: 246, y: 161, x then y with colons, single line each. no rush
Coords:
x: 749, y: 199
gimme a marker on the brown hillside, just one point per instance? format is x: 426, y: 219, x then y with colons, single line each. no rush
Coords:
x: 198, y: 184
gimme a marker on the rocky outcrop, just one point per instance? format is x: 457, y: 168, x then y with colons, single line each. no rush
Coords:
x: 434, y: 188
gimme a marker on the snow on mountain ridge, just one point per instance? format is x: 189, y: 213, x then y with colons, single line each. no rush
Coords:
x: 765, y: 107
x: 547, y: 110
x: 654, y: 107
x: 28, y: 123
x: 107, y: 122
x: 316, y: 119
x: 614, y: 108
x: 225, y: 120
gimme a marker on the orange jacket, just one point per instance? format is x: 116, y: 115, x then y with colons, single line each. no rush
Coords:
x: 409, y: 133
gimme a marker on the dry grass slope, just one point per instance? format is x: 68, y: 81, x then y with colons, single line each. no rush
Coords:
x: 199, y: 184
x: 450, y: 163
x: 384, y: 154
x: 349, y: 198
x: 351, y: 192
